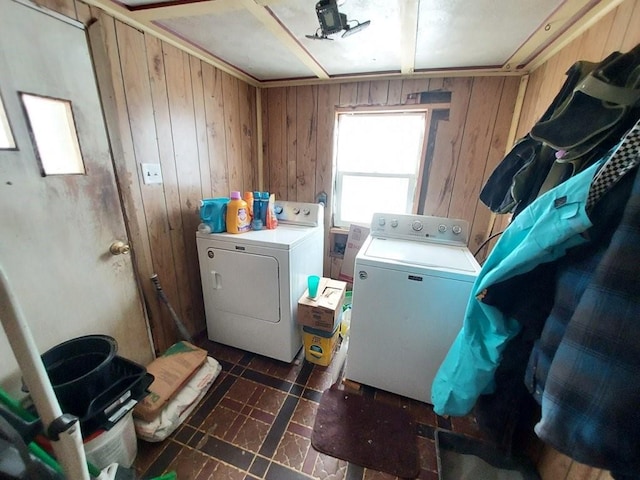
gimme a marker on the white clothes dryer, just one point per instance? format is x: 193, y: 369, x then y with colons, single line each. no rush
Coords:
x: 412, y: 280
x: 251, y: 282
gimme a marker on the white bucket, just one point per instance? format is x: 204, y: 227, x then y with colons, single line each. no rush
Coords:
x: 118, y: 445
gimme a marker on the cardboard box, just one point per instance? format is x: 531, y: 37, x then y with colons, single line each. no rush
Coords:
x: 171, y: 371
x: 355, y: 239
x: 324, y: 311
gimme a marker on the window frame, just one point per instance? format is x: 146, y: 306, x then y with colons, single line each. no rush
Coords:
x: 414, y: 180
x: 74, y: 134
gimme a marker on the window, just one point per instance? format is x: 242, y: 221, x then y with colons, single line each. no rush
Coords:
x: 378, y: 158
x: 54, y: 132
x: 6, y: 138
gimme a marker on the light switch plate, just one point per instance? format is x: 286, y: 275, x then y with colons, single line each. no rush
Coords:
x: 151, y: 173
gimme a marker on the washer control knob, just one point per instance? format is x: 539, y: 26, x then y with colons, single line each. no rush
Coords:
x: 381, y: 221
x: 306, y: 211
x: 394, y: 223
x: 442, y: 228
x: 417, y: 225
x: 278, y: 209
x: 296, y: 210
x: 457, y: 229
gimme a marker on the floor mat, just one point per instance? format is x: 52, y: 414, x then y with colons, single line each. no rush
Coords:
x: 463, y: 458
x: 366, y: 432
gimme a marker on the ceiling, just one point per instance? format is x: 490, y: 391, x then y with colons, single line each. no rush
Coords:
x: 264, y: 42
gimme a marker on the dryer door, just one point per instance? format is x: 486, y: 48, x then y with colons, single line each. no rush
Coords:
x: 241, y: 283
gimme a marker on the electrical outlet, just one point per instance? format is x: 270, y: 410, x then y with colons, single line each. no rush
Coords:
x: 151, y: 173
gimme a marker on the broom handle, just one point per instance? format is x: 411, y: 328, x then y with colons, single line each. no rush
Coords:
x: 161, y: 295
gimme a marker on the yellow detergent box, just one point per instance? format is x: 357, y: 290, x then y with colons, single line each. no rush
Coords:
x: 319, y: 345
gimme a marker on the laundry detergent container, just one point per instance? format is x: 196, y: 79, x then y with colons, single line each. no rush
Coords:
x: 213, y: 212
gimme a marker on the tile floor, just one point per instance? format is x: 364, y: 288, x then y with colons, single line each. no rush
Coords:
x: 256, y: 422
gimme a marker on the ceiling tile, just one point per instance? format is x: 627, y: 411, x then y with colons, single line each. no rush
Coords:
x: 240, y: 39
x: 459, y: 33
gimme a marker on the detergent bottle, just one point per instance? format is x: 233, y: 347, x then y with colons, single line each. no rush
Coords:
x: 238, y: 220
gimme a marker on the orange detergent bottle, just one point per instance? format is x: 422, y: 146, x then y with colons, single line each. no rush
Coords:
x: 238, y: 219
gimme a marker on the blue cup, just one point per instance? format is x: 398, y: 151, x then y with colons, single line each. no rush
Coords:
x: 313, y: 281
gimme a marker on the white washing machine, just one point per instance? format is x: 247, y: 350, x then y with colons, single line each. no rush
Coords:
x: 413, y: 278
x: 252, y: 281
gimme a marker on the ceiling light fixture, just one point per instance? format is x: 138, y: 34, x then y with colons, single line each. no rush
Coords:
x: 332, y: 21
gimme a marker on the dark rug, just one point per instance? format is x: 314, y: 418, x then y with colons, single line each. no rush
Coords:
x: 363, y: 431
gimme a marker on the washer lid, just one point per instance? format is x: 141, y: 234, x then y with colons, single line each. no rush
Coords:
x: 422, y: 254
x: 283, y: 237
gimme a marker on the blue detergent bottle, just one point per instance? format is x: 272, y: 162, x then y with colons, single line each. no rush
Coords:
x: 257, y: 223
x: 264, y: 206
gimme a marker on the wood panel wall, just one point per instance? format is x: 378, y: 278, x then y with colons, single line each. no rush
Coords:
x: 298, y: 128
x: 617, y: 31
x: 165, y: 106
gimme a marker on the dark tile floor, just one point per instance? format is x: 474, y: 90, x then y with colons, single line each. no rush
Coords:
x: 256, y: 422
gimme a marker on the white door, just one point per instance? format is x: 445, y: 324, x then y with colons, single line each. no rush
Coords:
x: 56, y: 229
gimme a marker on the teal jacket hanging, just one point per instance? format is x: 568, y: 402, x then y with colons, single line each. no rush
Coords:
x: 541, y: 233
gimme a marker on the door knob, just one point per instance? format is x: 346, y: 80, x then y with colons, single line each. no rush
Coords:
x: 119, y: 248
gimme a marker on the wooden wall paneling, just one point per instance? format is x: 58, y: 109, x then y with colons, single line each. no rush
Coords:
x: 348, y: 94
x: 133, y: 59
x: 247, y: 132
x: 104, y: 48
x: 180, y: 96
x: 174, y: 270
x: 83, y: 12
x: 266, y: 167
x: 253, y: 114
x: 328, y: 98
x: 379, y: 92
x: 530, y: 110
x: 436, y: 84
x: 617, y: 34
x: 363, y: 93
x: 232, y: 131
x: 292, y: 142
x: 277, y: 146
x: 482, y: 218
x: 64, y: 7
x: 579, y: 471
x: 553, y: 465
x: 447, y: 149
x: 216, y: 138
x: 197, y: 87
x: 632, y: 37
x: 411, y: 88
x: 476, y: 141
x: 306, y: 142
x: 394, y: 95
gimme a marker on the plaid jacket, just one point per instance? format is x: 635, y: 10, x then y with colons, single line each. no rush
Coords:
x: 586, y: 367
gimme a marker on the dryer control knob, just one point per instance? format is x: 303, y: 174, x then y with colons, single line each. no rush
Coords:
x: 457, y: 229
x: 417, y: 225
x: 362, y: 274
x: 278, y: 209
x: 296, y: 211
x: 306, y: 211
x: 381, y: 221
x: 442, y: 228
